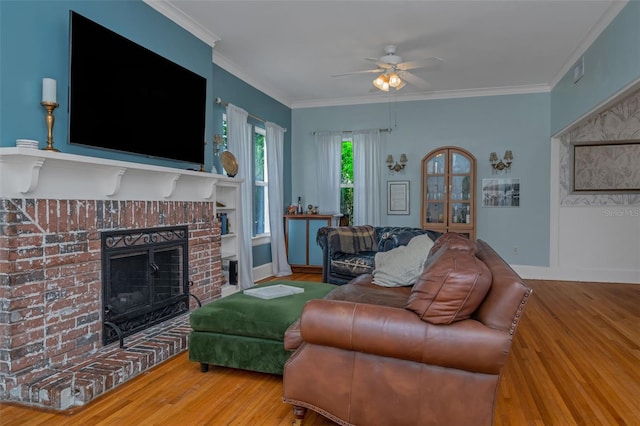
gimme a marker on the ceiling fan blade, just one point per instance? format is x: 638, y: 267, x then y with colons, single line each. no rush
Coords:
x: 358, y: 72
x: 432, y: 63
x: 379, y: 63
x: 415, y: 80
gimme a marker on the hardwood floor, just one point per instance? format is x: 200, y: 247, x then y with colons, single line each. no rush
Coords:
x: 575, y: 360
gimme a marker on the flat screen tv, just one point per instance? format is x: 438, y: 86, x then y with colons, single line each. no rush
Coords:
x: 125, y: 97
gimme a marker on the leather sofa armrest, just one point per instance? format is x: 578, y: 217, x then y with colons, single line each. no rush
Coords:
x: 400, y: 333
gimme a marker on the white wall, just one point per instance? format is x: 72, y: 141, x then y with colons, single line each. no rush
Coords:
x: 594, y: 237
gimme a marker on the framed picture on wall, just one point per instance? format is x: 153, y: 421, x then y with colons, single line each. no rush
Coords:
x: 606, y: 167
x: 501, y: 192
x: 398, y: 197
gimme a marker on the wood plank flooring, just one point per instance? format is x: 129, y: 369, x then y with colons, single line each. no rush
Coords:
x: 575, y: 360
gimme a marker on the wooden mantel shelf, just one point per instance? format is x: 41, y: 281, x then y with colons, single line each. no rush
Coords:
x: 31, y: 173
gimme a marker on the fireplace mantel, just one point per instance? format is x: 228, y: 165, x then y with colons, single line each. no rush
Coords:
x: 31, y: 173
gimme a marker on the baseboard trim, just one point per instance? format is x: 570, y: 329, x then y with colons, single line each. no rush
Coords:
x: 578, y: 274
x: 262, y: 271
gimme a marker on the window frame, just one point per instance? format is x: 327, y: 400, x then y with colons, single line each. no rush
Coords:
x: 261, y: 183
x: 264, y: 238
x: 346, y: 139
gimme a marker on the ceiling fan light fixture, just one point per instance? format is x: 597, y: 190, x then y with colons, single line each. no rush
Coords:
x: 394, y: 80
x: 382, y: 83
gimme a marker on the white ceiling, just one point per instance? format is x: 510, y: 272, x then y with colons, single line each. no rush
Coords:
x: 291, y: 49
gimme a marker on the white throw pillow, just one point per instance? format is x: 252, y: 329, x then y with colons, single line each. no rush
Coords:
x: 402, y: 265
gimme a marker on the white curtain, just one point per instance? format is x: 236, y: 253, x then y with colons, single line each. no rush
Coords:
x: 240, y: 143
x: 328, y: 149
x: 366, y: 177
x: 275, y: 159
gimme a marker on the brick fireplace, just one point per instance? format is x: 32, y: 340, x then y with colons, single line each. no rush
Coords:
x: 53, y: 210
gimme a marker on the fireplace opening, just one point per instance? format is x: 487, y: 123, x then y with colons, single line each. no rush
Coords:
x: 144, y: 279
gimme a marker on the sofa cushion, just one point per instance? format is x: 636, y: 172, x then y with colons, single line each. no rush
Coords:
x: 451, y: 287
x: 454, y: 241
x: 352, y: 239
x: 352, y: 264
x: 362, y: 290
x: 402, y: 265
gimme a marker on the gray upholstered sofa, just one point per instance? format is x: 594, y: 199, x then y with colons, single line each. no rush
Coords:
x: 349, y: 251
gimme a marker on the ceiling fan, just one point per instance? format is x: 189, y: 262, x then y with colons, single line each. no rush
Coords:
x: 395, y: 73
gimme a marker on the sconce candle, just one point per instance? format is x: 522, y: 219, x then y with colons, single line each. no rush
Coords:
x: 49, y: 90
x: 49, y: 103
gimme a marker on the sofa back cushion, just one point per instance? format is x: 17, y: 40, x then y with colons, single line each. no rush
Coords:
x: 390, y: 237
x: 451, y: 287
x: 455, y: 241
x: 352, y: 239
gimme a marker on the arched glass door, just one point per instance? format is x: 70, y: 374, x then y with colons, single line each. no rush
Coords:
x: 448, y: 191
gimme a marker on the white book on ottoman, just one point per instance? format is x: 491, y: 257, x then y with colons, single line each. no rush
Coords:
x: 273, y: 291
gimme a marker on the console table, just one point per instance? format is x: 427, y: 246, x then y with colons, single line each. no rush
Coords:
x: 300, y: 232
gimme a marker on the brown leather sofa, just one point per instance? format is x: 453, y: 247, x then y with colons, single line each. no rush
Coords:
x: 429, y: 354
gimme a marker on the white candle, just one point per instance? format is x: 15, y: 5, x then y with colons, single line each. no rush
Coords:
x: 48, y: 90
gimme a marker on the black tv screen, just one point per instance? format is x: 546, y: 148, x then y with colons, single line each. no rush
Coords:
x: 125, y: 97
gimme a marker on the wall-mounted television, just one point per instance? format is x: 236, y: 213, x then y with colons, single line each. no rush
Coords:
x: 127, y: 98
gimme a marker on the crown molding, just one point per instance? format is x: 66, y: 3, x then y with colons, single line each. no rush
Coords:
x: 614, y: 9
x: 237, y: 72
x: 170, y: 11
x: 445, y: 94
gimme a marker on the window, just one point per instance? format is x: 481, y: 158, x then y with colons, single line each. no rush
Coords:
x: 346, y: 180
x: 260, y: 182
x: 260, y: 185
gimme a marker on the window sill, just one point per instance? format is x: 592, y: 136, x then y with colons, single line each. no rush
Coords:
x: 262, y: 239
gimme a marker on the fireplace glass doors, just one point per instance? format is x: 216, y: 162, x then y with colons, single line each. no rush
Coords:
x: 144, y: 279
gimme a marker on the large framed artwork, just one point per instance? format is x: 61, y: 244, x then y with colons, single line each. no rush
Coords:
x: 398, y: 197
x: 501, y: 192
x: 606, y: 167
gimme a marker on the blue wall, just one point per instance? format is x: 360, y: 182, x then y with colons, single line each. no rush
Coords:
x: 480, y: 125
x: 35, y: 44
x: 610, y: 64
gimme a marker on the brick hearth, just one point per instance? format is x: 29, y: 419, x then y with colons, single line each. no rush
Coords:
x: 110, y: 366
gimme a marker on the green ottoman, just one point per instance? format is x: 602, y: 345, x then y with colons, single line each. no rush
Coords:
x: 247, y: 332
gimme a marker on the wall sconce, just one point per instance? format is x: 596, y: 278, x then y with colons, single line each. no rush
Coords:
x: 397, y: 166
x: 500, y: 166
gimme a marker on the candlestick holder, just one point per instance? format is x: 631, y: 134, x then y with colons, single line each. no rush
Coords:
x: 50, y: 106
